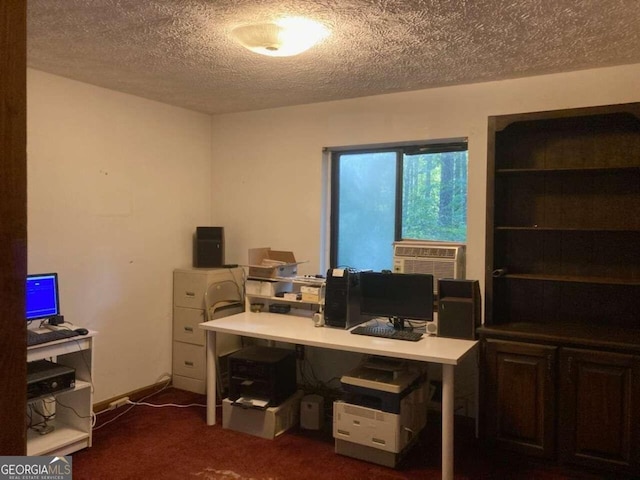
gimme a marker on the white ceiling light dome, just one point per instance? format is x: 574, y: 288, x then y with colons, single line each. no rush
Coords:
x: 281, y: 38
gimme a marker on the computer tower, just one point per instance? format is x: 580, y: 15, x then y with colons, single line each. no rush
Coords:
x: 342, y: 298
x: 459, y: 308
x: 208, y: 247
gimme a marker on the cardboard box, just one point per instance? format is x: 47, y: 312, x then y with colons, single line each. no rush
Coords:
x: 267, y: 288
x: 267, y: 263
x: 310, y: 294
x: 267, y: 423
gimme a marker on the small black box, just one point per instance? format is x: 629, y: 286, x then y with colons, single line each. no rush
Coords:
x: 208, y: 247
x: 459, y: 308
x: 46, y: 378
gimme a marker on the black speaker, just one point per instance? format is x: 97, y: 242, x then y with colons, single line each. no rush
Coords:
x: 459, y: 308
x: 342, y: 298
x: 208, y: 247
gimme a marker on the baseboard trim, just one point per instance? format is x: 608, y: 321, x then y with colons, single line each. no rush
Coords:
x: 134, y: 395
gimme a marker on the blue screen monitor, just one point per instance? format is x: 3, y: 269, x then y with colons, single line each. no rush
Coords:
x: 42, y: 296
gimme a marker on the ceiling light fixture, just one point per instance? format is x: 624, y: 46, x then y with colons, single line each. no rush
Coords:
x: 282, y: 38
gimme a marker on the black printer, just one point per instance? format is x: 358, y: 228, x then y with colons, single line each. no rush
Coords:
x: 264, y: 374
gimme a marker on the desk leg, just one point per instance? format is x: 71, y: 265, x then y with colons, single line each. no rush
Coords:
x: 211, y: 376
x: 447, y: 421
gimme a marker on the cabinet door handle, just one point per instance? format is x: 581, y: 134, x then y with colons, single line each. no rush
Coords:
x: 550, y: 366
x: 188, y: 329
x: 190, y: 294
x: 569, y: 367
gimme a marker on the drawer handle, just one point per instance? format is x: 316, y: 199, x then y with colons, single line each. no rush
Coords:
x: 190, y: 294
x: 188, y: 364
x: 188, y: 329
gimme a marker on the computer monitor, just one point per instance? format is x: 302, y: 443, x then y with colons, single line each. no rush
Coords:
x: 398, y: 296
x: 42, y: 296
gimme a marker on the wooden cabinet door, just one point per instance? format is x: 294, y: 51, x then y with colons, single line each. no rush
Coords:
x: 520, y: 397
x: 599, y: 420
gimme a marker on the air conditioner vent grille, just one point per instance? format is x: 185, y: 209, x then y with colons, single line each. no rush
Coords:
x: 441, y: 261
x: 437, y: 269
x: 425, y: 252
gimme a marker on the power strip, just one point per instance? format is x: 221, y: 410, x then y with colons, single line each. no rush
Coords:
x: 118, y: 403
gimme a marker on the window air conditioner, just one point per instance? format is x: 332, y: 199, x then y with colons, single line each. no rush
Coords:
x: 442, y: 260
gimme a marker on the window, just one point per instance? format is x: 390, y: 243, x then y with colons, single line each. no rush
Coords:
x: 379, y: 196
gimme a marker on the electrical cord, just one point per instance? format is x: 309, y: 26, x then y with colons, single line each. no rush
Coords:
x: 130, y: 407
x: 142, y: 403
x: 156, y: 405
x: 98, y: 427
x: 58, y: 402
x: 42, y: 427
x: 46, y: 403
x: 314, y: 385
x: 164, y: 375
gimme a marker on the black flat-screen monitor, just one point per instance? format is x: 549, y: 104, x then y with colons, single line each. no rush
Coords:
x: 42, y: 296
x: 398, y: 296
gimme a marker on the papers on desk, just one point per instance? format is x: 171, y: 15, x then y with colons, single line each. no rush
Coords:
x: 249, y: 402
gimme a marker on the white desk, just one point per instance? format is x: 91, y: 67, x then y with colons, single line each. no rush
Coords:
x: 300, y: 330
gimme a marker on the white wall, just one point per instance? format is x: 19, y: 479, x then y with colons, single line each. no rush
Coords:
x: 116, y: 186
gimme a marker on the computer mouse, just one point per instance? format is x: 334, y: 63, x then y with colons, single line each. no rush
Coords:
x: 81, y: 331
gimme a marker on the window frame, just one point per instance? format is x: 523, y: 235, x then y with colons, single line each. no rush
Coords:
x: 441, y: 146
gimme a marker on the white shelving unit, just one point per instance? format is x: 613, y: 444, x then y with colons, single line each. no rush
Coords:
x: 265, y: 290
x: 72, y: 422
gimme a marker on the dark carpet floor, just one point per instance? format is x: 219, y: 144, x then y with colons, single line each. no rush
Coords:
x: 176, y: 443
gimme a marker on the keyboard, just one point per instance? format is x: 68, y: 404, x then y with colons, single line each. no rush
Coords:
x: 386, y: 332
x: 34, y: 338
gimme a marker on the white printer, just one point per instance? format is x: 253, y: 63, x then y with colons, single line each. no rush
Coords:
x: 383, y: 412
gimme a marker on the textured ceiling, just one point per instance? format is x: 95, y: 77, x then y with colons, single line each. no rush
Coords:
x: 180, y: 52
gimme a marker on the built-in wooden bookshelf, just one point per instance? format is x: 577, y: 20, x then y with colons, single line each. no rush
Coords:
x: 562, y: 319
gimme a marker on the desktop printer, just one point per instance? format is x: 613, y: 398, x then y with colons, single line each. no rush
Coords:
x: 384, y: 410
x: 261, y: 377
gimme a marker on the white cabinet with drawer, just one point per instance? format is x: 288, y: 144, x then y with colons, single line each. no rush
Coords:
x: 189, y: 309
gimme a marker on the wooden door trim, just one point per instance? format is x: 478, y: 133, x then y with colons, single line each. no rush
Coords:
x: 13, y: 227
